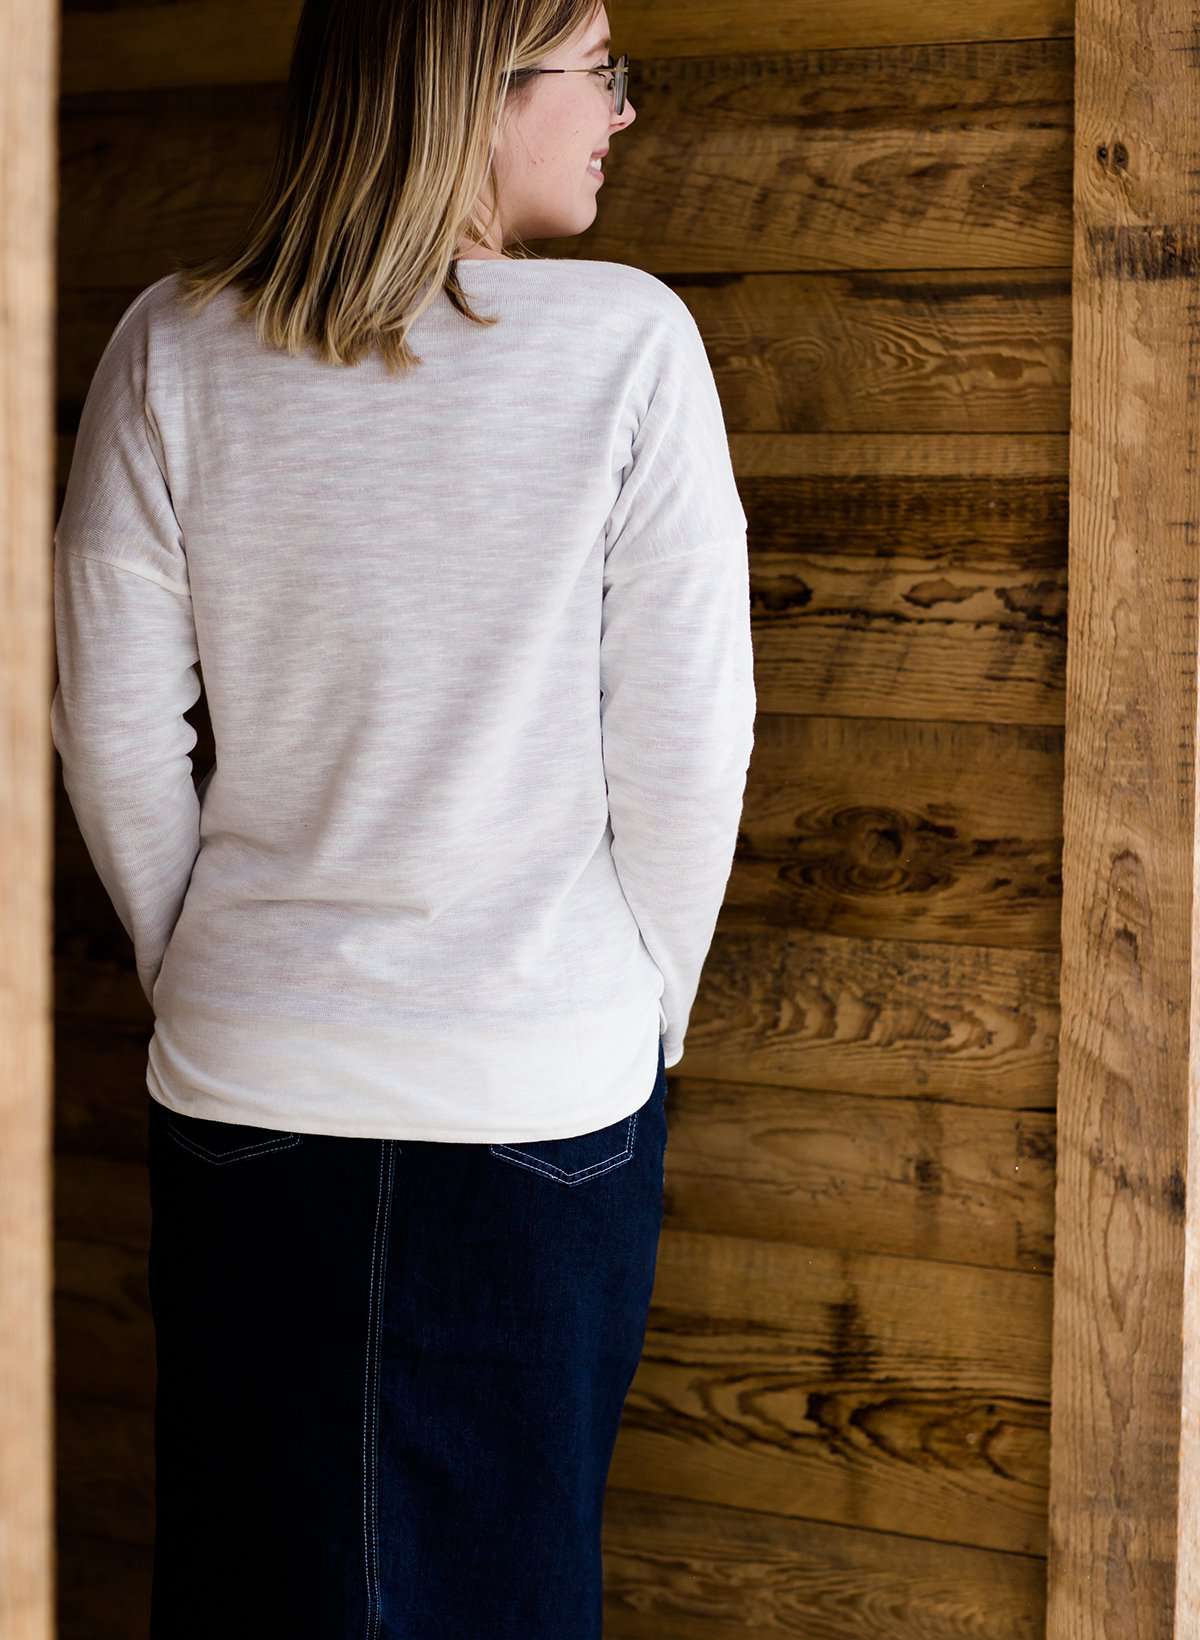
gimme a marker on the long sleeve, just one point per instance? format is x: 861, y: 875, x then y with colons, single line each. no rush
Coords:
x: 676, y: 670
x: 127, y: 656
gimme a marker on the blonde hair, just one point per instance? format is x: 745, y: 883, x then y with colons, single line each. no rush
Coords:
x: 391, y: 116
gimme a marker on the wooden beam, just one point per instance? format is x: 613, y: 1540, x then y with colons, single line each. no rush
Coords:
x: 28, y: 199
x: 1124, y: 1556
x: 218, y: 42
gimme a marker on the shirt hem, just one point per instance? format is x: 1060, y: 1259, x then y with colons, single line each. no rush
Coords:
x: 306, y: 1078
x: 590, y: 1120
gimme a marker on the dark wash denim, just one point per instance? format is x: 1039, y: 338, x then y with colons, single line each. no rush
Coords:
x: 390, y: 1376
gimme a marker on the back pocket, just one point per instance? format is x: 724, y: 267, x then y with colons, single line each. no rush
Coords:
x: 221, y: 1143
x: 578, y: 1159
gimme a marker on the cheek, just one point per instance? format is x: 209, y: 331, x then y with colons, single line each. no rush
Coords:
x: 561, y: 167
x: 548, y: 155
x: 556, y: 150
x: 577, y: 152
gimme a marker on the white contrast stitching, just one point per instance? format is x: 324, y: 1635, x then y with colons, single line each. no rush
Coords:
x: 286, y: 1141
x: 367, y: 1394
x: 371, y: 1402
x: 387, y: 1219
x: 539, y: 1164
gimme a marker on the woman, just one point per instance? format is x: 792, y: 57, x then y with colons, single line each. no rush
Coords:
x: 455, y: 539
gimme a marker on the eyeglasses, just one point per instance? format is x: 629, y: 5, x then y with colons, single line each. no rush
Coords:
x: 617, y: 74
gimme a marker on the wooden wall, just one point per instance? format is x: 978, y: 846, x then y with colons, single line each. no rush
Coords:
x: 840, y: 1426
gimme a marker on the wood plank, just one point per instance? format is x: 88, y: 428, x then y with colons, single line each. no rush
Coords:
x: 917, y: 577
x: 680, y: 1570
x: 191, y: 42
x: 28, y: 41
x: 916, y: 1178
x: 919, y: 158
x: 885, y: 1018
x: 656, y: 27
x: 104, y: 1335
x: 104, y: 1462
x: 809, y: 1381
x: 1125, y: 1485
x: 102, y: 1196
x: 903, y: 157
x: 884, y: 828
x: 103, y: 1588
x: 948, y: 351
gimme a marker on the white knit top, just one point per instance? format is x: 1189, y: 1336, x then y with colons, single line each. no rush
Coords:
x: 475, y: 642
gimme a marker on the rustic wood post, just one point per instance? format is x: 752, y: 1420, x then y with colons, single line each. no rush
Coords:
x: 1125, y: 1459
x: 28, y: 196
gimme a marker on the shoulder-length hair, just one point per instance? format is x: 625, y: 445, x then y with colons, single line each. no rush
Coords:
x: 391, y: 116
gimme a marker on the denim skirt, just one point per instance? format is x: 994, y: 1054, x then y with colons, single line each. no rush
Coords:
x: 390, y: 1374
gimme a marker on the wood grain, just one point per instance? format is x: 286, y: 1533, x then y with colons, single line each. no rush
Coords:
x: 28, y: 41
x: 814, y: 1382
x: 911, y: 1177
x: 1125, y: 1489
x: 951, y: 157
x: 840, y: 1427
x: 796, y: 1380
x: 674, y: 1569
x: 677, y: 1569
x: 135, y: 45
